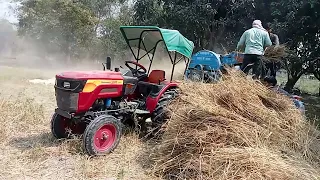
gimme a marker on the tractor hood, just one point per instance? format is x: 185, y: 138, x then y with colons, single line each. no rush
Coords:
x: 85, y: 75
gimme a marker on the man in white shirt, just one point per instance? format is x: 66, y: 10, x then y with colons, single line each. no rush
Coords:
x: 255, y: 40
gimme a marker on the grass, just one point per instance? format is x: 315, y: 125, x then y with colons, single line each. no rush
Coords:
x: 29, y: 150
x: 310, y: 86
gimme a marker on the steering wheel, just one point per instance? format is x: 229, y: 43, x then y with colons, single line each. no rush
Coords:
x: 141, y: 70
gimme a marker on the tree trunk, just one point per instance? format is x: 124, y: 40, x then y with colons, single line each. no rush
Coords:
x: 97, y: 25
x: 219, y: 36
x: 317, y: 75
x: 290, y: 83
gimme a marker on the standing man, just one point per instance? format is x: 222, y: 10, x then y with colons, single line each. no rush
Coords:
x: 271, y: 65
x: 255, y: 40
x: 273, y: 37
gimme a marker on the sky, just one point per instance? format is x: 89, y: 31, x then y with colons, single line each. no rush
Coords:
x: 6, y: 10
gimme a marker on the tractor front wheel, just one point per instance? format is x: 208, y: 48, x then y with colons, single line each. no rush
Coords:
x: 62, y: 127
x: 102, y: 135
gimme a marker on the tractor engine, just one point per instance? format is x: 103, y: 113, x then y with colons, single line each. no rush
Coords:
x: 79, y: 92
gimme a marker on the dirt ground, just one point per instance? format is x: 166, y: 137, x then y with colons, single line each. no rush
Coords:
x: 28, y: 150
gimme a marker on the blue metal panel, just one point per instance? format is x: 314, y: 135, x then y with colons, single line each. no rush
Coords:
x: 206, y: 58
x: 213, y: 61
x: 232, y: 58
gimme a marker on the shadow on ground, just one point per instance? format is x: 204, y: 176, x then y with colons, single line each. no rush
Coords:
x: 38, y: 140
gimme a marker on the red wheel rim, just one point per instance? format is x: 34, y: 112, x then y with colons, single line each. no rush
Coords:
x: 105, y: 137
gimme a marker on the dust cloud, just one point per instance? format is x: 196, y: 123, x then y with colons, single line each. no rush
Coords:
x: 25, y: 53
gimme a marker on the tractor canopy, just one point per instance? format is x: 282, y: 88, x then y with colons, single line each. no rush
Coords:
x: 148, y: 37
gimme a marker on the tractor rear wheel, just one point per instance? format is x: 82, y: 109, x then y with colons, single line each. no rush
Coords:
x: 62, y: 127
x: 159, y: 115
x: 102, y: 135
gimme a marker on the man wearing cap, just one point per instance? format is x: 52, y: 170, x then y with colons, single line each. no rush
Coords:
x: 255, y: 40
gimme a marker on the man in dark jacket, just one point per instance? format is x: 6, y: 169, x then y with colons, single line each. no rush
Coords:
x: 272, y: 66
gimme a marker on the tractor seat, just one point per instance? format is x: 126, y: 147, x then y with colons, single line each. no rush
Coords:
x: 157, y: 76
x: 154, y: 82
x: 147, y: 88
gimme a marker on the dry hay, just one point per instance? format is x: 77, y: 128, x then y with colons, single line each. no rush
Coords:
x: 29, y: 151
x: 235, y: 129
x: 275, y: 53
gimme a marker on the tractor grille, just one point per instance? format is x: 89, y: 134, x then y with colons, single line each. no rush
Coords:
x: 67, y: 93
x: 67, y: 100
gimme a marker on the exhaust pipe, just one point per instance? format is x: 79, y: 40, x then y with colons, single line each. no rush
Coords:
x: 108, y: 63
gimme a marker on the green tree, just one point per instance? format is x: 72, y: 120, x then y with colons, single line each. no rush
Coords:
x: 7, y: 36
x: 208, y: 24
x: 101, y: 9
x: 60, y: 24
x: 298, y: 25
x: 110, y: 15
x: 110, y: 35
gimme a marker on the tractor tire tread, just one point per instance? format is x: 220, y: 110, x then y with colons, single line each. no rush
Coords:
x: 158, y: 114
x: 56, y: 129
x: 94, y: 125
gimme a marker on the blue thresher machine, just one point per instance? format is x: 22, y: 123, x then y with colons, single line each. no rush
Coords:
x: 206, y: 66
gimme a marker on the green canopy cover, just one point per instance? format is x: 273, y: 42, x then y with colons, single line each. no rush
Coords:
x: 148, y: 37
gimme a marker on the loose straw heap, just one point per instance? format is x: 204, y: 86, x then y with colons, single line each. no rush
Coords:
x: 274, y: 53
x: 235, y: 129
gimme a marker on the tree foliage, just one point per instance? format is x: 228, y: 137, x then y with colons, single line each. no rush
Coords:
x: 208, y: 24
x: 78, y: 28
x: 111, y: 37
x: 92, y: 26
x: 215, y: 24
x: 57, y: 24
x: 298, y: 25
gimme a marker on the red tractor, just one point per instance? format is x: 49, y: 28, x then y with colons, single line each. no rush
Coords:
x: 98, y: 104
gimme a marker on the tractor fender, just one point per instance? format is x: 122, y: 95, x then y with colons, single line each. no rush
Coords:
x: 152, y: 101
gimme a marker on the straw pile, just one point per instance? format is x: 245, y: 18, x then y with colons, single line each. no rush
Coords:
x: 235, y: 129
x: 275, y: 53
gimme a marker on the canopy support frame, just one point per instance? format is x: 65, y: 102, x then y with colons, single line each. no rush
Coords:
x: 174, y: 61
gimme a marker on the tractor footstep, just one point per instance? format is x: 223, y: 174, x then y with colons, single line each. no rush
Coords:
x: 139, y: 111
x: 148, y: 120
